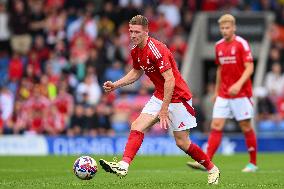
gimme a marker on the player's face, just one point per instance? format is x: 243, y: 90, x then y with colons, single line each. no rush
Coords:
x: 137, y: 34
x: 227, y: 30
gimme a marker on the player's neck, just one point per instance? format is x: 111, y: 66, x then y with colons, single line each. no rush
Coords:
x: 230, y: 39
x: 143, y: 43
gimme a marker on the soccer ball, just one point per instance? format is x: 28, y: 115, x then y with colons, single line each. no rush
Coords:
x: 85, y: 167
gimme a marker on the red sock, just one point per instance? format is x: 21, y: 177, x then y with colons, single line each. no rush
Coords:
x: 134, y: 142
x: 198, y: 155
x: 214, y: 141
x: 251, y: 145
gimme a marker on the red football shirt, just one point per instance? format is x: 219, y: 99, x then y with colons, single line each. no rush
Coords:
x: 154, y: 59
x: 232, y: 56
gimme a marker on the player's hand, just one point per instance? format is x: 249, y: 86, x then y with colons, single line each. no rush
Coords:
x: 164, y: 119
x: 108, y: 86
x: 234, y: 89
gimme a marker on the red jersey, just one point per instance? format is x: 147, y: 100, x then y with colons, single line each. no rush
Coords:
x: 155, y: 58
x: 232, y: 56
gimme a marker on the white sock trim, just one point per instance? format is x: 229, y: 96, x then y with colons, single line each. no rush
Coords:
x: 213, y: 169
x: 124, y: 164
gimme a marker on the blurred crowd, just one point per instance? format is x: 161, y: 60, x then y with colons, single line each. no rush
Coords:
x: 56, y: 54
x: 271, y: 96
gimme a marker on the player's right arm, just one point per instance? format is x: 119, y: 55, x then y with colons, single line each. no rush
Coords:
x: 218, y: 75
x: 129, y: 78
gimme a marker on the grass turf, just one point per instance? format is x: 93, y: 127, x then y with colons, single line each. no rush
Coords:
x: 145, y: 172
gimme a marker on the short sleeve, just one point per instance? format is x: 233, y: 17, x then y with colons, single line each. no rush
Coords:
x: 217, y: 62
x: 162, y: 58
x: 246, y: 52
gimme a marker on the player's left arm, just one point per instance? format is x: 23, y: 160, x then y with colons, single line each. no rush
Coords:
x: 169, y: 86
x: 247, y: 58
x: 249, y: 67
x: 236, y: 87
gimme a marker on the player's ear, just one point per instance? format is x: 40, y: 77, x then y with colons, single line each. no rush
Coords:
x: 146, y: 30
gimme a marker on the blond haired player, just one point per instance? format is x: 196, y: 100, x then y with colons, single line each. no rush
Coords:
x: 233, y: 90
x: 170, y: 104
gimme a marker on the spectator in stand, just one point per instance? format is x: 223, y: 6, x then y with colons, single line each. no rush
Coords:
x: 33, y: 61
x: 36, y: 17
x: 114, y: 72
x: 97, y: 62
x: 25, y: 89
x: 90, y: 87
x: 138, y: 103
x: 36, y: 111
x: 89, y: 26
x: 178, y: 48
x: 54, y: 4
x: 54, y: 123
x: 55, y: 25
x: 164, y: 29
x: 5, y: 32
x: 105, y: 26
x: 4, y: 67
x: 77, y: 122
x: 92, y: 123
x: 266, y: 110
x: 19, y: 22
x: 57, y: 63
x: 16, y: 70
x: 80, y: 46
x: 122, y: 108
x: 16, y: 124
x: 6, y: 106
x: 104, y: 111
x: 64, y: 103
x: 41, y: 51
x: 274, y: 81
x: 263, y: 5
x: 171, y: 12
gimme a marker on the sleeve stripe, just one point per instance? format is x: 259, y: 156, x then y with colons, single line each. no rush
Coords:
x: 154, y: 50
x: 243, y: 42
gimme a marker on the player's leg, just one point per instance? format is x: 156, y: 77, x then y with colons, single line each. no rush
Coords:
x: 221, y: 111
x: 135, y: 139
x: 215, y: 136
x: 195, y: 152
x: 251, y: 144
x: 243, y: 112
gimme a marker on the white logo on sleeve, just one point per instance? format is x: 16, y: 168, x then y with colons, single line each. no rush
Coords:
x: 162, y: 65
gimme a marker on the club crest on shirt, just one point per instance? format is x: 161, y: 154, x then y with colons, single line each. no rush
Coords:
x: 138, y: 60
x: 220, y: 53
x: 148, y: 61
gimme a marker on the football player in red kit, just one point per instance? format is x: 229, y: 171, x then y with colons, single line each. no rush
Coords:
x: 233, y: 93
x: 171, y: 103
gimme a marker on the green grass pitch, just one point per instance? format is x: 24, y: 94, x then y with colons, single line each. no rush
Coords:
x: 146, y: 172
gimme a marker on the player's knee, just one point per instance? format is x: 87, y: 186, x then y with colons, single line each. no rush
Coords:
x: 245, y: 126
x: 135, y: 126
x: 217, y: 125
x: 182, y: 144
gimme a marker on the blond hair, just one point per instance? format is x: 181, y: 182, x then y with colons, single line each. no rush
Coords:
x: 227, y: 18
x: 139, y: 20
